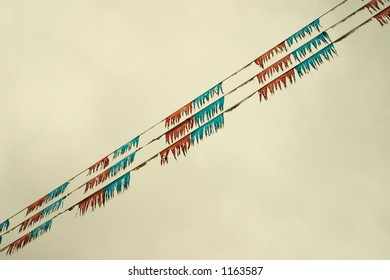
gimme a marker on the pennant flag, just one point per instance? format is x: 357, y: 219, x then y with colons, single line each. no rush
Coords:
x: 184, y: 144
x: 383, y: 17
x: 277, y: 84
x: 25, y: 239
x: 100, y: 197
x: 40, y: 230
x: 207, y: 120
x: 92, y: 201
x: 97, y: 180
x: 179, y: 130
x: 176, y: 116
x: 4, y: 225
x: 206, y: 96
x: 52, y: 207
x: 274, y: 68
x: 207, y: 129
x: 41, y: 214
x: 307, y: 30
x: 261, y: 60
x: 304, y: 67
x: 58, y: 191
x: 18, y: 244
x: 30, y: 221
x: 36, y: 205
x: 112, y: 171
x: 295, y: 37
x: 315, y: 42
x: 121, y: 165
x: 373, y: 6
x: 315, y: 60
x: 203, y: 115
x: 210, y: 111
x: 126, y: 147
x: 101, y: 164
x: 180, y: 146
x: 197, y: 102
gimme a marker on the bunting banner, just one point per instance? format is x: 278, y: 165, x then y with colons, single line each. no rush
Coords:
x: 207, y: 129
x: 280, y: 65
x: 198, y: 102
x: 261, y: 60
x: 307, y: 30
x: 206, y: 96
x: 25, y: 239
x: 281, y: 47
x: 373, y: 6
x: 111, y: 172
x: 41, y: 214
x: 316, y: 42
x: 121, y: 165
x: 199, y: 118
x: 209, y: 112
x: 102, y: 177
x: 383, y: 17
x: 277, y: 84
x: 127, y: 147
x: 4, y: 225
x: 184, y: 144
x: 47, y: 198
x: 208, y: 120
x: 176, y: 116
x: 304, y: 67
x: 179, y: 130
x: 301, y: 34
x: 100, y: 197
x: 101, y: 164
x: 315, y: 60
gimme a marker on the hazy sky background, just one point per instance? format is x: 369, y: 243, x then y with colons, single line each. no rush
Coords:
x: 304, y: 175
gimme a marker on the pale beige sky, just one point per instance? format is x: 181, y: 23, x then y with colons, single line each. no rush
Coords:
x: 304, y: 175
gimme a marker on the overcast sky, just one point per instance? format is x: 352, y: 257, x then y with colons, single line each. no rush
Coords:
x: 304, y: 175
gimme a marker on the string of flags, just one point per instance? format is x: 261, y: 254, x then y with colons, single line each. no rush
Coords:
x: 200, y: 121
x: 27, y: 238
x: 99, y: 198
x: 199, y: 101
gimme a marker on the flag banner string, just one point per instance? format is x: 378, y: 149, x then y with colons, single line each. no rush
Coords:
x: 304, y: 67
x: 27, y: 238
x: 188, y: 124
x: 197, y: 101
x: 100, y: 197
x: 313, y: 62
x: 111, y: 172
x: 58, y: 191
x: 383, y: 17
x: 134, y: 143
x: 38, y: 216
x: 213, y: 124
